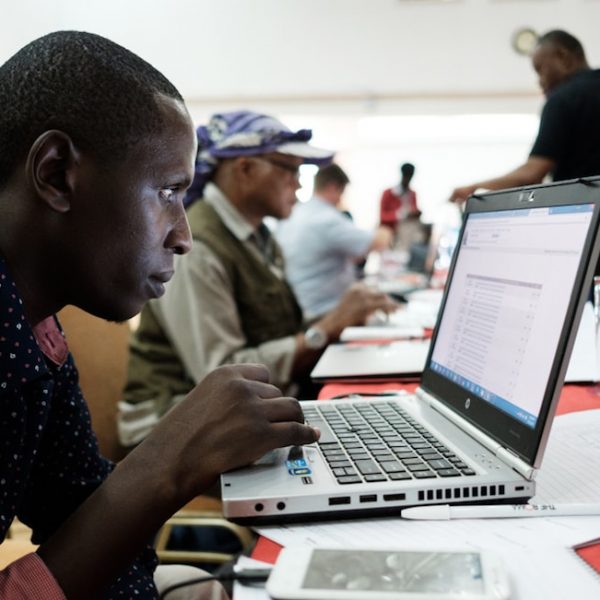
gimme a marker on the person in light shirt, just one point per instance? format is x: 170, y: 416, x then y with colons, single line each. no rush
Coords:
x: 322, y: 246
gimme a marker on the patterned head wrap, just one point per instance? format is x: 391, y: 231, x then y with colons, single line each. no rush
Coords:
x: 246, y: 133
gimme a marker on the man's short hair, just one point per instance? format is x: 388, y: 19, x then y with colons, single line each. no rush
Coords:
x: 562, y: 39
x: 407, y: 169
x: 331, y: 174
x: 99, y: 93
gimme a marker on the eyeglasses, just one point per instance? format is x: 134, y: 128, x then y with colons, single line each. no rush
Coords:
x: 293, y: 169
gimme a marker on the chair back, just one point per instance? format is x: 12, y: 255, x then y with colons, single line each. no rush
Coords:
x: 101, y: 351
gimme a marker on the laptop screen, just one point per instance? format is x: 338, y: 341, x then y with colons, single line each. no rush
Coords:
x: 505, y: 309
x: 520, y: 274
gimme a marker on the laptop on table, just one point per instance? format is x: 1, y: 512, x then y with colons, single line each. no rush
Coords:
x: 476, y: 428
x: 360, y: 363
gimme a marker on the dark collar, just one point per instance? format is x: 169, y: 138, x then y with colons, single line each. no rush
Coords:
x: 20, y: 352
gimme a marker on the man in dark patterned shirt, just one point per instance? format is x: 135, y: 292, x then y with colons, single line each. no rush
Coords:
x: 96, y: 152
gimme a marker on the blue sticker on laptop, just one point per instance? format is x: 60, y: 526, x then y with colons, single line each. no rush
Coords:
x: 298, y: 467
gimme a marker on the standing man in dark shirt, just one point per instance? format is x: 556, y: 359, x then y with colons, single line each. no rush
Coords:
x: 97, y: 150
x: 567, y: 145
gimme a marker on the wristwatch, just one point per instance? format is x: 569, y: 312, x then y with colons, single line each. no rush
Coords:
x: 315, y: 338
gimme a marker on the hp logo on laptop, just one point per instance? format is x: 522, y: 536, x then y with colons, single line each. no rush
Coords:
x: 527, y: 196
x: 467, y: 403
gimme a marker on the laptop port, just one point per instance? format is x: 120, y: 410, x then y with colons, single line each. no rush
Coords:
x: 368, y: 498
x: 339, y: 500
x: 280, y: 505
x: 394, y: 497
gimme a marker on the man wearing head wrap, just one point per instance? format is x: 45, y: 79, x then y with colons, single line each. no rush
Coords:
x: 229, y: 301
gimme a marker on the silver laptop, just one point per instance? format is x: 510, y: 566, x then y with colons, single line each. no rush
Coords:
x: 476, y: 429
x: 389, y: 361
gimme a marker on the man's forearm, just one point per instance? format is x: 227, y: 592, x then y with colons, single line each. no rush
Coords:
x: 531, y: 172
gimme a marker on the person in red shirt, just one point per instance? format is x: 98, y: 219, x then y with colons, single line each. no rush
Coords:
x: 399, y: 202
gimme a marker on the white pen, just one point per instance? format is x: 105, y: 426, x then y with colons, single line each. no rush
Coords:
x: 444, y: 512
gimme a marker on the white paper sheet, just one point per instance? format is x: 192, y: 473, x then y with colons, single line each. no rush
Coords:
x: 571, y: 467
x: 583, y: 365
x: 433, y: 296
x: 381, y: 332
x: 414, y: 314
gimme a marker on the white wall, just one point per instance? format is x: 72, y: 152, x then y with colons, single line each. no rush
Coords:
x: 319, y: 49
x: 367, y: 75
x: 447, y: 150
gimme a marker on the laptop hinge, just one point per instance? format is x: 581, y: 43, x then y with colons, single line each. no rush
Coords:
x: 504, y: 454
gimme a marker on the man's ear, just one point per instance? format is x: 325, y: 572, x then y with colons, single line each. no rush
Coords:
x: 244, y: 166
x: 244, y: 172
x: 51, y: 166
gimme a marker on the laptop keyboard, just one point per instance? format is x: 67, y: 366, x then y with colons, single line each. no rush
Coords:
x: 374, y: 442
